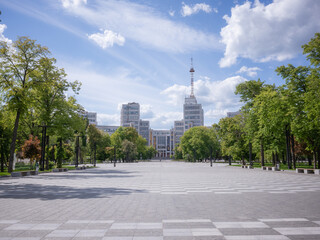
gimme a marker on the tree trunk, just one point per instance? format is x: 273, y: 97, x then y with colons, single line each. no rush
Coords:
x: 314, y: 159
x: 318, y: 157
x: 2, y: 157
x: 262, y: 153
x: 59, y: 155
x: 309, y: 161
x: 250, y: 154
x: 13, y: 141
x: 77, y: 151
x: 292, y: 151
x: 273, y: 159
x: 288, y: 147
x: 277, y: 158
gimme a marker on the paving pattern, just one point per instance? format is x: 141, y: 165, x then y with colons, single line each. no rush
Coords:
x: 161, y: 201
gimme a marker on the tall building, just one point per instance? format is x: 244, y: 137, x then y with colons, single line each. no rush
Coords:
x: 178, y: 131
x: 144, y: 127
x: 130, y: 115
x: 91, y: 116
x: 108, y: 129
x: 192, y: 111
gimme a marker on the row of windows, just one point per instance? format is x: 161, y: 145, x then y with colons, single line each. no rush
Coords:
x: 191, y: 112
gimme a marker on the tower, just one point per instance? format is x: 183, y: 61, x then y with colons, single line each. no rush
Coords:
x: 191, y: 75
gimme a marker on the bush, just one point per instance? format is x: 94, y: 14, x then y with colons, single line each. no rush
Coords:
x: 52, y: 164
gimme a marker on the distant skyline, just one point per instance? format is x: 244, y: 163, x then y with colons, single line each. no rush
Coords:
x: 139, y: 51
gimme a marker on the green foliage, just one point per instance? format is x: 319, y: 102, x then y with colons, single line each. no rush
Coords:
x: 199, y: 143
x: 129, y: 150
x: 232, y: 137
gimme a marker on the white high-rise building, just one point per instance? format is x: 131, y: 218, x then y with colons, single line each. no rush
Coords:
x: 130, y: 115
x: 192, y: 113
x: 91, y: 116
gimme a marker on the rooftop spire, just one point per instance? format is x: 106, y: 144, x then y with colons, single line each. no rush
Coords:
x: 191, y: 73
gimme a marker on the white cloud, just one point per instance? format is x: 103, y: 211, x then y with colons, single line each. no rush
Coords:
x: 217, y: 97
x: 269, y: 32
x: 189, y: 10
x: 107, y: 39
x: 165, y: 120
x: 251, y: 72
x: 145, y: 26
x: 2, y: 37
x: 146, y: 111
x: 72, y: 3
x: 171, y: 13
x: 108, y: 119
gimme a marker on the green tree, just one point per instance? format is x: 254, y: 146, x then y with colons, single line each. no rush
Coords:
x: 198, y: 143
x: 129, y: 150
x: 17, y: 64
x: 232, y: 137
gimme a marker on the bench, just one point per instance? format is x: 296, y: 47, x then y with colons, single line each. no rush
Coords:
x: 308, y: 171
x: 24, y: 173
x: 247, y: 166
x: 81, y: 168
x: 268, y: 168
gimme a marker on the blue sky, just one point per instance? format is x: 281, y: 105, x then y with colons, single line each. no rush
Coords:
x: 139, y: 51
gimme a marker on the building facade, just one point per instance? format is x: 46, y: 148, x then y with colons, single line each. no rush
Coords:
x: 91, y: 116
x: 162, y: 141
x: 108, y: 129
x: 192, y: 113
x: 130, y: 115
x: 144, y: 127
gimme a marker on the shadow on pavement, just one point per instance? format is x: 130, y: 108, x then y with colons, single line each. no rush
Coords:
x: 44, y: 192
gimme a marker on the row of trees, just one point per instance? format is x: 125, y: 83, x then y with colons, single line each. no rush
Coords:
x: 34, y: 105
x: 282, y: 121
x: 33, y: 99
x: 276, y: 123
x: 124, y: 144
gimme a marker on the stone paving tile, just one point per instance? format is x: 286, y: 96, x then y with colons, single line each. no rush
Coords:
x: 299, y: 231
x: 165, y: 201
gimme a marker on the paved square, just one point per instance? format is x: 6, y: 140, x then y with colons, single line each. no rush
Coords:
x: 161, y: 201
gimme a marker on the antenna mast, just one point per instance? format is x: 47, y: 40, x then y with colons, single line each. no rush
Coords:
x: 191, y: 74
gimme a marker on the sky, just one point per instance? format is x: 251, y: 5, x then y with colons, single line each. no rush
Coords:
x: 139, y: 50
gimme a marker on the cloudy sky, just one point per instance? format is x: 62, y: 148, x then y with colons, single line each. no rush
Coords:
x: 139, y: 51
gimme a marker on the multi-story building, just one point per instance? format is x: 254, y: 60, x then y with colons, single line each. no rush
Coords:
x: 162, y: 141
x: 130, y: 115
x: 178, y: 131
x: 108, y: 129
x: 192, y: 113
x: 91, y: 116
x: 144, y: 127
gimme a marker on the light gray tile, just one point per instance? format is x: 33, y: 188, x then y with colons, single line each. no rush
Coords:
x: 258, y: 237
x: 206, y: 232
x: 240, y: 225
x: 63, y: 233
x: 177, y: 232
x: 299, y: 231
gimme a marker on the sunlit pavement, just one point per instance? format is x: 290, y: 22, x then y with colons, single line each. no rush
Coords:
x: 161, y: 200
